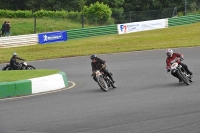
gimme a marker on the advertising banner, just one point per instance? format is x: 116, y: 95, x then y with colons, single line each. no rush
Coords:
x: 141, y: 26
x: 50, y: 37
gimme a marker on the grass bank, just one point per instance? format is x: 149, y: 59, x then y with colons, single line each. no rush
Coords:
x: 179, y: 36
x: 22, y: 26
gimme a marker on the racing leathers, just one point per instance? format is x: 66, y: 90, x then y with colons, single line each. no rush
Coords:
x: 99, y: 64
x: 172, y: 59
x: 13, y: 62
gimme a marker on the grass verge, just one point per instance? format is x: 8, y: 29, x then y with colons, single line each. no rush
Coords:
x: 22, y: 26
x: 179, y: 36
x: 8, y: 76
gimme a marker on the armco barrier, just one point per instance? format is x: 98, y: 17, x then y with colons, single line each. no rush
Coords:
x: 183, y: 20
x: 33, y: 86
x: 93, y: 31
x: 15, y: 41
x: 32, y: 39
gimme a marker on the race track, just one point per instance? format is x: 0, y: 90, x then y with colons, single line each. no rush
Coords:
x: 147, y: 98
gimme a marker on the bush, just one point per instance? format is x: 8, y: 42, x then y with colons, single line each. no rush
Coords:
x: 97, y: 13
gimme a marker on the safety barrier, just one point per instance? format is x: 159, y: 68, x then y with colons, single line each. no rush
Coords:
x: 15, y: 41
x: 32, y: 39
x: 183, y: 20
x: 90, y: 32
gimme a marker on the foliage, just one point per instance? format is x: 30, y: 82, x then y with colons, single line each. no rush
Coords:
x: 77, y: 5
x: 97, y: 13
x: 51, y: 14
x: 39, y: 14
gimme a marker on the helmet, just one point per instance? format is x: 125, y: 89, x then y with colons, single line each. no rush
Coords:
x: 92, y: 57
x: 169, y: 52
x: 14, y: 54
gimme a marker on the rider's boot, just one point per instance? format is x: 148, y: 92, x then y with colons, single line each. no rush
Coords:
x: 95, y: 79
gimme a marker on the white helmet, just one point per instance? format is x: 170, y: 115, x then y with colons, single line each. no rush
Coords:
x: 14, y: 54
x: 169, y: 52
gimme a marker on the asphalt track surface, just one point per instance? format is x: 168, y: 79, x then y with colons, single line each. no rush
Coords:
x: 147, y: 98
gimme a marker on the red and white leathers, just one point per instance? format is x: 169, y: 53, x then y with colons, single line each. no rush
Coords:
x: 176, y: 57
x: 172, y: 59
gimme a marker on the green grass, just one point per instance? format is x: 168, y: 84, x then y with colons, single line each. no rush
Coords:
x: 26, y: 26
x: 179, y: 36
x: 8, y: 76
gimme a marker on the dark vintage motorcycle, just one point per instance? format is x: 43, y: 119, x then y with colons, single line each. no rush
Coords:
x: 22, y: 66
x: 181, y: 72
x: 104, y: 81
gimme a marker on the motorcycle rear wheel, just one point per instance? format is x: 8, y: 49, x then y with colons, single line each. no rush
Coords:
x: 7, y: 68
x: 113, y: 85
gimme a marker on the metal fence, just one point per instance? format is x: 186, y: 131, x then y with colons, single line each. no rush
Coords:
x: 136, y: 16
x: 191, y: 7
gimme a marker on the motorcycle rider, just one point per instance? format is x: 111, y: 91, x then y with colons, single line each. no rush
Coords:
x: 172, y: 57
x: 13, y: 61
x: 97, y: 64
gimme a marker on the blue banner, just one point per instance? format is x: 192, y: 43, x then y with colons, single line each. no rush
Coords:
x: 50, y: 37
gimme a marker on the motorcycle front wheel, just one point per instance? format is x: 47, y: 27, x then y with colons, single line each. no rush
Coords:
x: 183, y: 77
x: 102, y: 83
x: 29, y: 67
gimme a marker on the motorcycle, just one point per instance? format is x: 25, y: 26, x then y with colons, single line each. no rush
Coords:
x: 22, y: 66
x: 181, y: 72
x: 104, y: 81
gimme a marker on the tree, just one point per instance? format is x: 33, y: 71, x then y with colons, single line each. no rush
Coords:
x: 97, y: 12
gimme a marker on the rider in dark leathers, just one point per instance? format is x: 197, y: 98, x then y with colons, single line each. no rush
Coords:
x: 97, y: 64
x: 13, y: 61
x: 171, y: 57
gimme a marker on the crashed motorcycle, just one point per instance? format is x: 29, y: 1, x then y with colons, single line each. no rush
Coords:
x: 22, y: 66
x: 104, y: 81
x: 181, y: 72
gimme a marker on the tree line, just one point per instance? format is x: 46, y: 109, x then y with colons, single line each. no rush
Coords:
x: 117, y: 6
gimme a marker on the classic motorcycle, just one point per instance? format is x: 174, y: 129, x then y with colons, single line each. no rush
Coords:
x: 181, y: 72
x: 22, y: 66
x: 104, y: 81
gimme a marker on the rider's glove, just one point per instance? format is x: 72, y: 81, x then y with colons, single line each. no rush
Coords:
x: 103, y: 66
x: 181, y: 59
x: 168, y: 70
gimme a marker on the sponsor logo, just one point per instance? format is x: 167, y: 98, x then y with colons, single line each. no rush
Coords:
x: 128, y: 27
x: 123, y: 28
x: 52, y: 37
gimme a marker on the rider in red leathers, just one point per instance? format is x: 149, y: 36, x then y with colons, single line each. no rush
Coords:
x: 171, y: 57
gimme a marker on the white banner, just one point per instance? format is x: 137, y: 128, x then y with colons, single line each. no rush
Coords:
x: 141, y: 26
